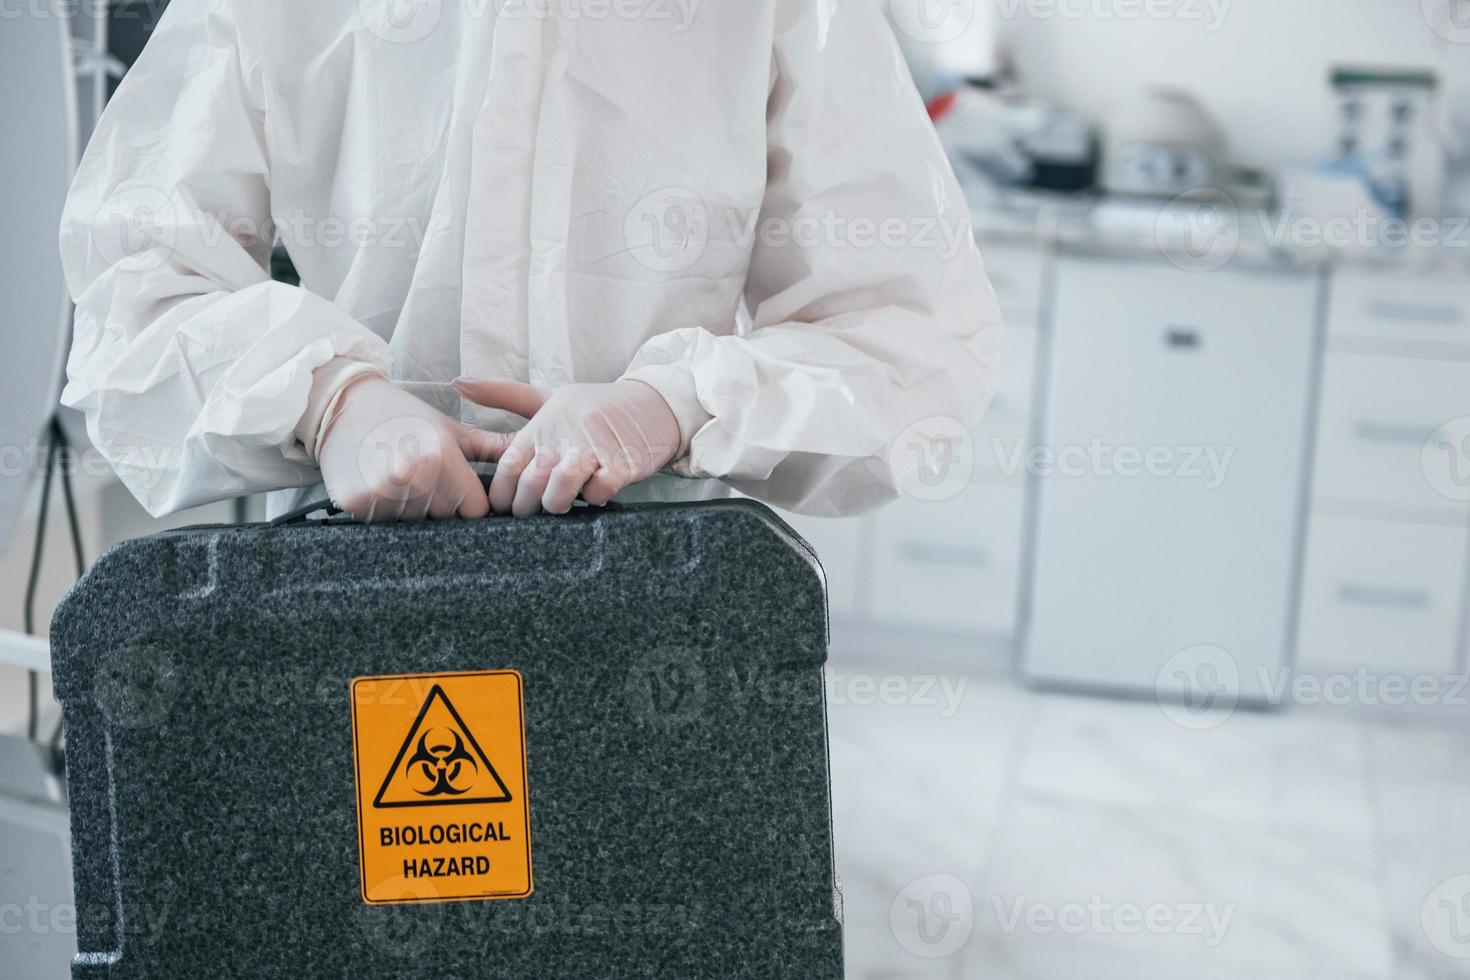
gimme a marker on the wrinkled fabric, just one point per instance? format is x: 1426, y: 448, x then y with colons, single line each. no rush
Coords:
x: 741, y: 204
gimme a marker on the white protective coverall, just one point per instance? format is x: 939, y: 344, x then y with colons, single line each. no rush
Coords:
x: 739, y: 202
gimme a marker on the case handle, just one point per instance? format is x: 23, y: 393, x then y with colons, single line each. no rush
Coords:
x: 300, y: 514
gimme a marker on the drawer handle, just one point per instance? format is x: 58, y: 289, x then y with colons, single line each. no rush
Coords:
x: 944, y: 555
x: 1391, y: 434
x: 1382, y: 597
x: 1183, y: 338
x: 1444, y: 314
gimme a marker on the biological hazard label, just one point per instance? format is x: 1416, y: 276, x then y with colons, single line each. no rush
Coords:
x: 443, y: 812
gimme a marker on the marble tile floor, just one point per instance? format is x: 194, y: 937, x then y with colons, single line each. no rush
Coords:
x: 1018, y: 835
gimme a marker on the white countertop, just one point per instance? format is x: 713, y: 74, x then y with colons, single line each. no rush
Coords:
x: 1220, y: 232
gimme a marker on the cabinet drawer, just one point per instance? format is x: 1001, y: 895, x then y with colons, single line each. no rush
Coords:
x: 1413, y: 309
x: 1016, y: 274
x: 1381, y: 595
x: 1377, y: 415
x: 952, y: 565
x: 1004, y: 433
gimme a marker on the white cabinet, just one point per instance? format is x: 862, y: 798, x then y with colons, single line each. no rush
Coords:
x: 1399, y: 307
x: 951, y: 565
x: 1172, y: 503
x: 1382, y: 596
x: 1178, y: 410
x: 1387, y: 548
x: 1378, y: 412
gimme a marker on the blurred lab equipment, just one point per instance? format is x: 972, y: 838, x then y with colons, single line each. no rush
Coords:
x: 996, y: 139
x: 1384, y: 136
x: 1163, y: 144
x: 1325, y: 194
x: 1453, y: 119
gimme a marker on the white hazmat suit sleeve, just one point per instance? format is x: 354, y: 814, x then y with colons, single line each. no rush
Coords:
x: 194, y: 369
x: 870, y: 306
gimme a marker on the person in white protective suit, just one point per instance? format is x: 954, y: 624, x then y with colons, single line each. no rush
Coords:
x: 698, y: 244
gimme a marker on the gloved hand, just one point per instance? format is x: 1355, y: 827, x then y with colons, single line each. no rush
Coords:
x: 386, y: 456
x: 592, y: 439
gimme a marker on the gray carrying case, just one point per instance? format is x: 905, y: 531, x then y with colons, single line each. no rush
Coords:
x: 672, y: 793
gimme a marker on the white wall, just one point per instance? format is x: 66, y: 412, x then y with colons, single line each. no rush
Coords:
x: 1261, y: 66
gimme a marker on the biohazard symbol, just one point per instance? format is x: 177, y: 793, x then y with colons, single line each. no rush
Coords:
x: 442, y: 768
x: 440, y: 763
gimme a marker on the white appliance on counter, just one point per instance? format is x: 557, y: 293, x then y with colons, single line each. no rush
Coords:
x: 1178, y: 407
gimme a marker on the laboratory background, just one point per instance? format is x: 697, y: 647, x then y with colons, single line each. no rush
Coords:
x: 1162, y: 672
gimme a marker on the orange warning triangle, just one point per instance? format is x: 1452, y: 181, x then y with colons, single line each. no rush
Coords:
x: 440, y: 763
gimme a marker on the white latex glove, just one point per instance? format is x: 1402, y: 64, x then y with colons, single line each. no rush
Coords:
x: 590, y: 439
x: 385, y: 456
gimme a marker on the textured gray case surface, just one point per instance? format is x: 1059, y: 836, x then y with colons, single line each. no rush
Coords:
x: 675, y: 738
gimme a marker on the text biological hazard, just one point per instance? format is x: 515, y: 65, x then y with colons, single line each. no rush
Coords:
x: 443, y: 811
